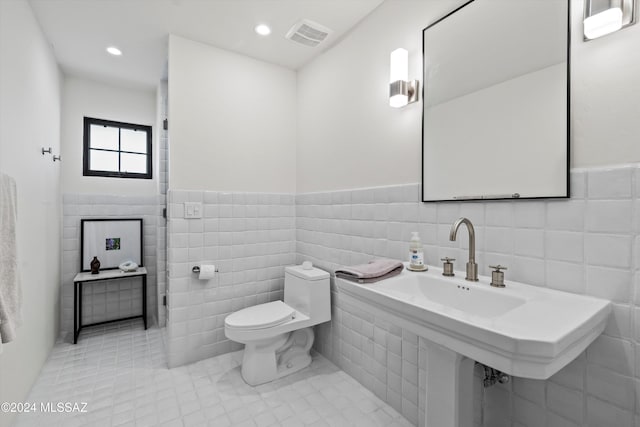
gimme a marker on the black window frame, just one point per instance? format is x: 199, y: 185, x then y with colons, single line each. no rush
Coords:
x: 86, y: 160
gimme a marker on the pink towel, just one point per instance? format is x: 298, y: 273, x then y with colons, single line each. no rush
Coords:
x: 378, y: 269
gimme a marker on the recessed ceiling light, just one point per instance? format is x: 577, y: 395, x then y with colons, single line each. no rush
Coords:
x: 263, y: 30
x: 114, y: 51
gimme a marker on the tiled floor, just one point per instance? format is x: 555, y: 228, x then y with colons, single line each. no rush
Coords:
x: 120, y: 372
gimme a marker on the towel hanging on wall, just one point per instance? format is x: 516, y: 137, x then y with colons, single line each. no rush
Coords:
x: 10, y: 292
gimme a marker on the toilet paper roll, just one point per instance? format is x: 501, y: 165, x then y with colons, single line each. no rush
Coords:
x: 207, y: 271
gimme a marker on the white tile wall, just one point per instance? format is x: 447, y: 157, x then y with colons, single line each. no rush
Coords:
x: 163, y: 185
x: 589, y: 244
x: 250, y: 237
x: 389, y: 361
x: 109, y: 299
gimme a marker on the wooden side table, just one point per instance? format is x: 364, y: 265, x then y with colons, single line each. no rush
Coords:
x: 87, y: 277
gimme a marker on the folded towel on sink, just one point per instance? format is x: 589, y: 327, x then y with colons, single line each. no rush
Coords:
x: 378, y: 269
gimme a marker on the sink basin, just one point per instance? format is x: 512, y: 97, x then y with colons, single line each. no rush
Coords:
x: 437, y: 293
x: 522, y: 330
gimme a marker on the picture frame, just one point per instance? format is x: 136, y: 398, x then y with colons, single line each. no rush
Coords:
x: 112, y: 240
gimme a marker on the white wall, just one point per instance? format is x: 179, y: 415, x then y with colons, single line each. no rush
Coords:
x: 82, y: 98
x: 232, y: 121
x: 605, y: 102
x: 30, y: 84
x: 348, y: 136
x: 345, y: 121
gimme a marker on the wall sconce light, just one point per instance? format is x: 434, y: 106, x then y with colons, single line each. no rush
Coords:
x: 401, y: 91
x: 602, y: 17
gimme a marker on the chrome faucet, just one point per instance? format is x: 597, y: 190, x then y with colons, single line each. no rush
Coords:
x: 472, y: 267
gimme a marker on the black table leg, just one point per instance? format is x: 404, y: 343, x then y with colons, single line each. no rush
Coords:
x: 75, y: 312
x: 77, y: 305
x: 144, y: 300
x: 80, y: 306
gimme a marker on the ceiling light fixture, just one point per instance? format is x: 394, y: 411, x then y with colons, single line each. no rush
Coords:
x: 263, y: 29
x: 114, y: 51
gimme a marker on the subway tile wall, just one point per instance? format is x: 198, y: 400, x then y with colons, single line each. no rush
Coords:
x: 386, y: 359
x: 250, y: 237
x: 588, y: 244
x: 109, y: 299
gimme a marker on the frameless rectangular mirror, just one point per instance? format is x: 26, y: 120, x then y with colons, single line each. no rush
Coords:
x: 496, y: 101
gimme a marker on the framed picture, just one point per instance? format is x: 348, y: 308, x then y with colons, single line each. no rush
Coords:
x: 113, y: 241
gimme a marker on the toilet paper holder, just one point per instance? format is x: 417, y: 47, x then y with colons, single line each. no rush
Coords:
x: 196, y: 269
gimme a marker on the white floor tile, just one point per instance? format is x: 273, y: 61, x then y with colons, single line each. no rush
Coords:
x: 120, y: 371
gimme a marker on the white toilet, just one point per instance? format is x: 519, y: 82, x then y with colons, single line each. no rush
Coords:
x: 278, y: 335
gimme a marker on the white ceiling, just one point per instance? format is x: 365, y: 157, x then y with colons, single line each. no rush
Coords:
x: 80, y: 30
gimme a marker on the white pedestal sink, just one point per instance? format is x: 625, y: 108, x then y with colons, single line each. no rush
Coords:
x: 522, y: 330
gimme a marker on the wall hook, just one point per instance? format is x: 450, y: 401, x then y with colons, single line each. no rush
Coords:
x: 58, y: 158
x: 46, y: 151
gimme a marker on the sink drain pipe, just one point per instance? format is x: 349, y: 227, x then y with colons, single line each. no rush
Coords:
x: 492, y: 376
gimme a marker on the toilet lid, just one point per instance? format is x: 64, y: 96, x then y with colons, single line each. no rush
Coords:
x: 260, y: 316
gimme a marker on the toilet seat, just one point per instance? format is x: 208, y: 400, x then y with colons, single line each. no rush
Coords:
x: 261, y: 316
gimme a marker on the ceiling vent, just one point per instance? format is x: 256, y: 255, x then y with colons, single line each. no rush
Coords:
x: 308, y: 33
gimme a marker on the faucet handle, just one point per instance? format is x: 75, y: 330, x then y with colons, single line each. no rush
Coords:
x: 497, y: 276
x: 447, y: 267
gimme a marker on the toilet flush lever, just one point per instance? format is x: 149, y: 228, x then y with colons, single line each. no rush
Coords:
x: 497, y: 276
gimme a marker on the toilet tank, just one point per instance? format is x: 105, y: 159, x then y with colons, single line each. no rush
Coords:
x: 308, y: 292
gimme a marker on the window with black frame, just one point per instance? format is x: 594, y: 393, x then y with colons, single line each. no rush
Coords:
x: 116, y: 149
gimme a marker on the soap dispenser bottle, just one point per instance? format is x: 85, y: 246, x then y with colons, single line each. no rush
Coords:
x: 416, y: 253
